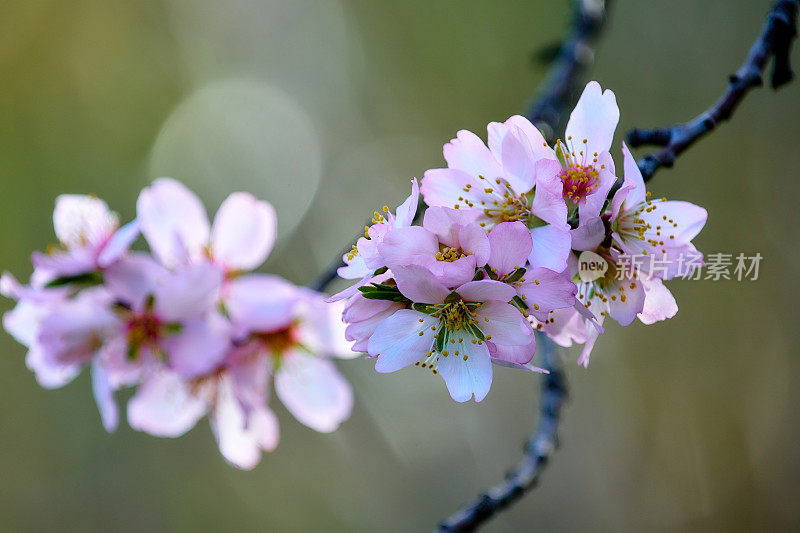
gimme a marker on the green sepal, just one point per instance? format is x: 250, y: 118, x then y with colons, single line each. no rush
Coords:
x: 562, y: 158
x: 88, y: 279
x: 475, y: 330
x: 516, y: 275
x: 172, y: 328
x: 441, y: 339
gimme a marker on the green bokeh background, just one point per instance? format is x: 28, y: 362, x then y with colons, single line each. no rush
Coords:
x: 688, y: 425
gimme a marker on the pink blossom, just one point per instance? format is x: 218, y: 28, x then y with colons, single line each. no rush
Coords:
x: 502, y: 183
x: 449, y: 244
x: 362, y: 261
x: 175, y: 224
x: 170, y: 314
x: 660, y: 228
x: 455, y: 333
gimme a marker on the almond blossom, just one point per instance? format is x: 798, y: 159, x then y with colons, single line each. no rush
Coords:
x: 362, y: 261
x: 452, y: 332
x: 453, y: 297
x: 520, y: 178
x: 187, y: 325
x: 641, y: 227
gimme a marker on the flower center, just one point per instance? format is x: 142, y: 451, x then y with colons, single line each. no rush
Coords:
x: 457, y: 315
x: 143, y: 329
x: 278, y: 342
x: 498, y: 200
x: 449, y: 255
x: 579, y: 181
x: 457, y: 327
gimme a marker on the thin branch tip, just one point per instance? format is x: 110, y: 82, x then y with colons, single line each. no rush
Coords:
x: 774, y: 42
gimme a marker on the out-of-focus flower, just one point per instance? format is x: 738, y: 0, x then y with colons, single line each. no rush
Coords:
x: 89, y: 238
x: 189, y: 326
x: 175, y: 224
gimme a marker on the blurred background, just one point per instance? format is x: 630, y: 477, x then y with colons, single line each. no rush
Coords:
x: 327, y: 109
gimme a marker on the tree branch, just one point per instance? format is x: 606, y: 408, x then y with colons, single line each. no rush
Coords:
x: 541, y: 445
x: 775, y: 42
x: 548, y: 109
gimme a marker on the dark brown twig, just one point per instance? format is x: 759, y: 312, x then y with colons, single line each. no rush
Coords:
x: 775, y: 42
x: 548, y: 108
x: 538, y: 449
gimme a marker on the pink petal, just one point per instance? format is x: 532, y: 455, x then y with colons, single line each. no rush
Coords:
x: 314, y: 391
x: 690, y: 219
x: 465, y: 378
x: 23, y: 321
x: 188, y: 292
x: 473, y: 238
x: 104, y: 397
x: 510, y: 247
x: 243, y: 232
x: 200, y: 347
x: 408, y: 246
x: 118, y: 244
x: 594, y: 118
x: 659, y: 304
x: 485, y: 291
x: 591, y: 338
x: 321, y: 329
x: 355, y: 267
x: 260, y: 302
x: 633, y: 191
x: 566, y: 327
x: 164, y: 406
x: 468, y: 153
x: 397, y: 341
x: 241, y: 438
x: 446, y: 223
x: 451, y: 273
x: 551, y: 247
x: 49, y: 374
x: 588, y: 235
x: 591, y: 207
x: 625, y: 312
x: 81, y: 221
x: 68, y: 263
x: 418, y: 284
x: 441, y: 187
x: 351, y: 290
x: 554, y: 290
x: 505, y: 324
x: 406, y: 211
x: 510, y: 145
x: 519, y: 355
x: 548, y: 201
x: 132, y: 279
x: 537, y: 143
x: 173, y: 220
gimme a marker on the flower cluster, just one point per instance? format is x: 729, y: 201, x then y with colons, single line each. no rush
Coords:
x: 497, y: 254
x: 188, y: 324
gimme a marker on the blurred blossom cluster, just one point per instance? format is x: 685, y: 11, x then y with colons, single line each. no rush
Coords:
x: 188, y: 324
x: 497, y: 254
